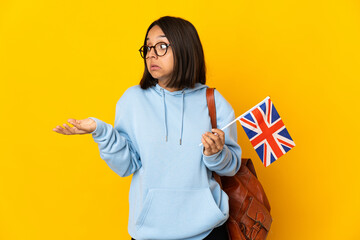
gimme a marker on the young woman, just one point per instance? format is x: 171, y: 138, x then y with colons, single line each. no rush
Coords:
x: 159, y: 125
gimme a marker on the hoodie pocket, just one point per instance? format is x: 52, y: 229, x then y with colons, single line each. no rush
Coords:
x: 179, y: 213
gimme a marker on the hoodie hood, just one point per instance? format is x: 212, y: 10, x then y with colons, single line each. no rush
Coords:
x: 180, y: 93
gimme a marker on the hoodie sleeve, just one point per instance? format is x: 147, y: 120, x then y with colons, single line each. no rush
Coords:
x: 227, y: 161
x: 115, y: 145
x: 116, y: 149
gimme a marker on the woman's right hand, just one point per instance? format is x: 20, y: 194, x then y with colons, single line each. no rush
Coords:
x: 84, y: 126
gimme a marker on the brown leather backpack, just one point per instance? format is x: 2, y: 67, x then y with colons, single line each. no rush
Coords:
x: 250, y: 217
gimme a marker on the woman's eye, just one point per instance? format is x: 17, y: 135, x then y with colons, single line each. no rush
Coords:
x: 163, y: 46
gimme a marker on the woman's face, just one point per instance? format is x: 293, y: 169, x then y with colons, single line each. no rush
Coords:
x: 159, y: 67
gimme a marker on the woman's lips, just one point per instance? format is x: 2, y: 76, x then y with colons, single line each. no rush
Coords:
x: 154, y: 67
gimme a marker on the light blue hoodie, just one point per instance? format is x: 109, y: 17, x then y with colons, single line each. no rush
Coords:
x: 156, y: 138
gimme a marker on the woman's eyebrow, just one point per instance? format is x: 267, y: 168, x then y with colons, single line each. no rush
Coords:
x: 161, y: 36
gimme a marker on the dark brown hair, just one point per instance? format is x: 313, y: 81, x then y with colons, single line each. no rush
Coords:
x: 189, y: 62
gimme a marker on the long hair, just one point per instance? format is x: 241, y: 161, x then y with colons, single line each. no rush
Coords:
x: 189, y: 61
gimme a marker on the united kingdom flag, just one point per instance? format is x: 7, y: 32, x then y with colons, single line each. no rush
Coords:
x: 266, y: 131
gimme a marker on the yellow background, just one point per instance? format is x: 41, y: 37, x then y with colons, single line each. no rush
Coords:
x: 74, y: 59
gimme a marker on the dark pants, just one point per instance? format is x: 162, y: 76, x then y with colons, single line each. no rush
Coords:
x: 219, y: 233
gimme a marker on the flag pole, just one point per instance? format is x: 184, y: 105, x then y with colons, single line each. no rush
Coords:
x: 236, y: 119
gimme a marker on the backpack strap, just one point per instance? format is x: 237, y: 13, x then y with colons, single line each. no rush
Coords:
x: 211, y: 105
x: 210, y: 98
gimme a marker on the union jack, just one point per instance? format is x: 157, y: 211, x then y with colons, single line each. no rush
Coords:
x: 266, y: 131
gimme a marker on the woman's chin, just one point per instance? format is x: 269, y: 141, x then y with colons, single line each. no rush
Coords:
x: 155, y: 75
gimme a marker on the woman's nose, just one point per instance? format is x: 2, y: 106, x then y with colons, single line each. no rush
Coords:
x: 151, y: 53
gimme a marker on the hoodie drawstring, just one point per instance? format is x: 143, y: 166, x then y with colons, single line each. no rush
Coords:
x: 165, y: 125
x: 182, y: 115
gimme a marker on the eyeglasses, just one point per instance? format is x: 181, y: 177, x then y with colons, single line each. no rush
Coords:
x: 160, y: 49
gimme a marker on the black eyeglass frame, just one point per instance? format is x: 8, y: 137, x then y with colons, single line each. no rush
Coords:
x: 141, y: 50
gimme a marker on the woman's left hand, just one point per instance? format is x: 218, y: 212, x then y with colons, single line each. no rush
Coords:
x: 213, y: 142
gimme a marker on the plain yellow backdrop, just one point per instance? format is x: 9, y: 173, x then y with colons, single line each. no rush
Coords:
x: 74, y: 59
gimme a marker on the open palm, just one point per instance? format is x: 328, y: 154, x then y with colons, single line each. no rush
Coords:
x: 84, y: 126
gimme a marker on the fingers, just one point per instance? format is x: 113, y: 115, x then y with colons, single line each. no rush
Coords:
x: 216, y: 139
x: 67, y: 130
x: 213, y: 142
x: 74, y: 122
x: 210, y: 146
x: 206, y: 144
x: 59, y: 129
x: 220, y: 133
